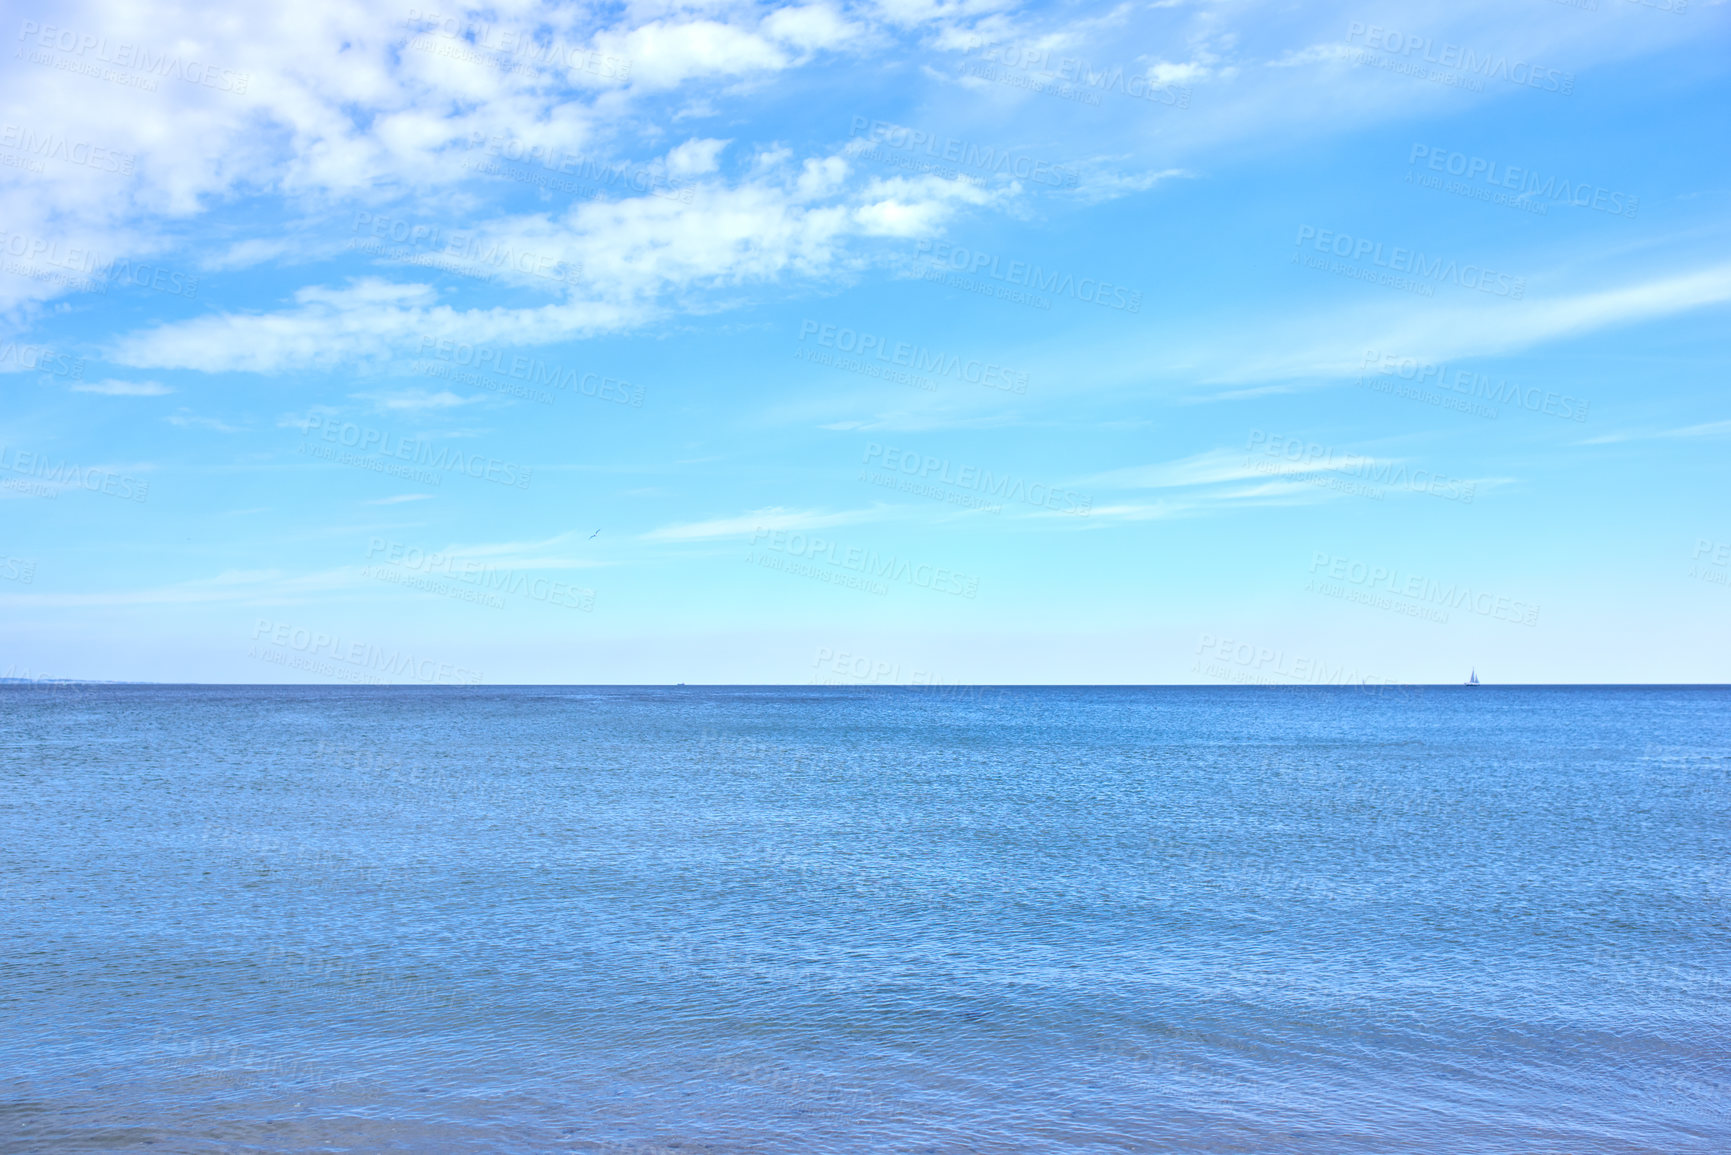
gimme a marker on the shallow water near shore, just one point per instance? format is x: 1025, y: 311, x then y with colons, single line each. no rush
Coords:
x: 826, y: 919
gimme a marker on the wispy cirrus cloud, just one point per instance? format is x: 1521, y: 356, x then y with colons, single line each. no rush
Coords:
x: 194, y: 421
x: 1681, y: 433
x: 114, y: 388
x: 772, y: 518
x: 639, y: 258
x: 1331, y: 343
x: 1213, y: 467
x: 246, y: 587
x: 542, y: 553
x: 416, y: 400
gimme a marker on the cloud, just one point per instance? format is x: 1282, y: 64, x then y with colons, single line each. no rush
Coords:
x: 1097, y: 184
x: 325, y: 102
x: 915, y: 207
x: 1166, y: 74
x: 498, y: 549
x: 520, y: 555
x: 1214, y: 467
x: 338, y: 101
x: 370, y: 318
x: 192, y: 421
x: 665, y: 54
x: 249, y: 253
x: 1288, y: 347
x: 695, y: 157
x: 1686, y: 432
x: 255, y: 587
x: 1221, y: 478
x: 341, y: 106
x: 810, y: 27
x: 914, y: 421
x: 114, y: 388
x: 772, y: 518
x: 416, y: 400
x: 639, y: 257
x: 1516, y: 325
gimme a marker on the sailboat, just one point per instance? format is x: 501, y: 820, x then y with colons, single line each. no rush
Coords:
x: 1474, y: 679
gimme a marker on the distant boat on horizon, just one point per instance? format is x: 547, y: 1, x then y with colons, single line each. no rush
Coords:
x: 1474, y: 679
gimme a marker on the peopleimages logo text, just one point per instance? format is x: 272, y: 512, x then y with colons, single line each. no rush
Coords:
x: 1091, y: 290
x: 48, y: 146
x: 866, y: 562
x: 986, y: 158
x: 457, y: 251
x: 362, y: 656
x: 488, y: 577
x: 1454, y: 56
x: 41, y: 358
x: 584, y: 171
x: 1524, y: 184
x: 1411, y: 261
x: 1003, y: 487
x: 1453, y: 595
x: 532, y: 370
x: 1476, y: 385
x: 1309, y: 457
x: 506, y: 44
x: 916, y: 357
x: 1711, y: 561
x: 84, y: 270
x: 138, y: 57
x: 57, y: 475
x: 1258, y: 664
x: 1037, y: 59
x: 392, y: 446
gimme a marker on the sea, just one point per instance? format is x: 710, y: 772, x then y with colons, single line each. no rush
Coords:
x: 865, y: 919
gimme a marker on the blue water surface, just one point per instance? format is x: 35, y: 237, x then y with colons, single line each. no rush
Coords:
x: 822, y: 919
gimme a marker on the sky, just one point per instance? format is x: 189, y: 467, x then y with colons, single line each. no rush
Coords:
x: 908, y: 342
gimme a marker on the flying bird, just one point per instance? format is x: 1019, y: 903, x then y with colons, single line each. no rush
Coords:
x: 592, y: 536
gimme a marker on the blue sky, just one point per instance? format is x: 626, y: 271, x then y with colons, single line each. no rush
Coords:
x: 903, y: 342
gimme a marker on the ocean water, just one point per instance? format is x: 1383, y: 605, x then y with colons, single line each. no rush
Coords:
x: 818, y: 919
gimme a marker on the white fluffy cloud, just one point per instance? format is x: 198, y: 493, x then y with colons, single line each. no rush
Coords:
x: 634, y: 255
x: 113, y: 388
x: 695, y: 158
x: 315, y: 109
x: 774, y: 518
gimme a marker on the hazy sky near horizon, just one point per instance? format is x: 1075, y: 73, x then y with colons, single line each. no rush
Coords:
x: 879, y: 342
